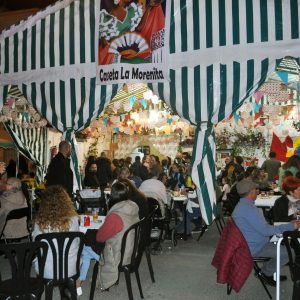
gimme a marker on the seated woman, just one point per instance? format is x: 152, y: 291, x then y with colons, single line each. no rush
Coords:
x: 12, y: 198
x: 261, y: 178
x: 57, y: 214
x: 285, y: 207
x: 121, y: 215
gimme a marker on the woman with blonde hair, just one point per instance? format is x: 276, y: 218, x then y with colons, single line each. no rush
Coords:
x: 57, y: 214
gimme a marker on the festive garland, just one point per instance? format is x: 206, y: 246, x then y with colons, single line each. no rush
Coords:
x: 241, y: 143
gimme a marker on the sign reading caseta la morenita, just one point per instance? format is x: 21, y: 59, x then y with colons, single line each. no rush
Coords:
x: 132, y: 42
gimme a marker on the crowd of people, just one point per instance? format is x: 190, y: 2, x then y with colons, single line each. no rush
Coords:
x: 133, y: 183
x: 240, y: 187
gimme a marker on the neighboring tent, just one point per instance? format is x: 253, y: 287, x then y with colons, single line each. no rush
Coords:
x: 220, y: 53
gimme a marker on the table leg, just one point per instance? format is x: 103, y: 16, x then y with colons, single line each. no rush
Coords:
x: 185, y: 223
x: 278, y: 269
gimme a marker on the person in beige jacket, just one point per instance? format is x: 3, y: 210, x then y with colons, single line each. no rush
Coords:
x: 13, y: 198
x: 121, y: 215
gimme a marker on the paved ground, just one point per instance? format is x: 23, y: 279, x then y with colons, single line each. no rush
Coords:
x: 184, y: 273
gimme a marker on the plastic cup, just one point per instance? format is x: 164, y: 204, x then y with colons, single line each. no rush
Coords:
x: 95, y: 215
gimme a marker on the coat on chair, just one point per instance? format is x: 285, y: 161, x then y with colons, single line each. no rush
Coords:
x: 232, y: 258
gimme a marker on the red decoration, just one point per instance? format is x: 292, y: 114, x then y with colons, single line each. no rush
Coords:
x: 280, y: 148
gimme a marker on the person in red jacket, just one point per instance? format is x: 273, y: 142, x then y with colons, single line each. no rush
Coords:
x: 113, y: 225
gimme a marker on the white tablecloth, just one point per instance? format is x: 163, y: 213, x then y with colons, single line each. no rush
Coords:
x: 266, y: 201
x: 94, y: 225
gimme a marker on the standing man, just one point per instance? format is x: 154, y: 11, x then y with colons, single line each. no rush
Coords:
x: 256, y: 231
x: 104, y: 170
x: 271, y: 166
x: 59, y: 170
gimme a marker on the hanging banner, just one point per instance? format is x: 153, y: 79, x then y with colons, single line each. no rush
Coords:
x: 133, y: 41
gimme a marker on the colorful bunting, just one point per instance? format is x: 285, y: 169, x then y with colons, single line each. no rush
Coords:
x: 257, y: 96
x: 236, y: 117
x: 284, y: 76
x: 143, y: 102
x: 131, y: 100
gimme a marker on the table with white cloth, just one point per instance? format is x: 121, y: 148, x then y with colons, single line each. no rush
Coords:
x: 93, y: 225
x: 267, y: 201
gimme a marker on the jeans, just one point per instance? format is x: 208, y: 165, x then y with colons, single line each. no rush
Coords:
x: 269, y: 250
x: 189, y: 217
x: 86, y: 256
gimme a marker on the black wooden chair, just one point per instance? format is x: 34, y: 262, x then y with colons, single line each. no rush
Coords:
x: 21, y: 284
x: 14, y: 215
x: 291, y: 241
x: 60, y: 244
x: 131, y: 267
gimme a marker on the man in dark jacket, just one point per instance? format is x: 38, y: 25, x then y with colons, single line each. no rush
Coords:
x: 104, y: 170
x: 59, y: 170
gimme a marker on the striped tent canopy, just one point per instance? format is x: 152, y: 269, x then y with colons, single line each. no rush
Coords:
x: 51, y: 58
x: 220, y: 52
x: 31, y: 143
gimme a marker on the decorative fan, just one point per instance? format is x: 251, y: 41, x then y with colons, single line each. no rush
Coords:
x: 128, y: 41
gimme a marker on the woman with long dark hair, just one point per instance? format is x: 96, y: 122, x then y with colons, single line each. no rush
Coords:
x: 121, y: 215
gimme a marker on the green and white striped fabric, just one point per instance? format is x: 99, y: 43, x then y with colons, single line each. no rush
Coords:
x: 33, y: 144
x: 54, y: 65
x: 221, y: 51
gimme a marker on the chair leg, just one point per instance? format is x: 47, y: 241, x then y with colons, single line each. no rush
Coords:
x: 72, y: 289
x: 62, y: 292
x: 94, y: 279
x: 257, y: 273
x: 137, y: 275
x: 128, y: 283
x: 148, y: 257
x: 201, y: 233
x: 229, y: 289
x: 49, y: 291
x: 296, y: 290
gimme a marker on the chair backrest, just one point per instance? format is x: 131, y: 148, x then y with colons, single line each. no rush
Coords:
x: 153, y: 205
x: 291, y: 241
x: 135, y: 229
x: 20, y: 257
x: 88, y: 198
x: 60, y: 244
x: 17, y: 214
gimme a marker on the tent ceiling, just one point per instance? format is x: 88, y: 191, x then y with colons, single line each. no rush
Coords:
x: 288, y: 64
